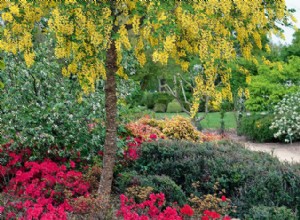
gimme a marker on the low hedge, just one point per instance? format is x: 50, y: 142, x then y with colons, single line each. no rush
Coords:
x: 174, y: 107
x: 249, y: 178
x: 159, y: 107
x: 256, y: 127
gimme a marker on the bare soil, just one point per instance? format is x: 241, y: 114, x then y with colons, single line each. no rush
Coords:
x: 283, y: 151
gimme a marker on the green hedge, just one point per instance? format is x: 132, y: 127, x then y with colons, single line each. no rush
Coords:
x: 150, y: 99
x: 257, y: 127
x: 249, y: 178
x: 270, y: 213
x: 174, y: 107
x: 160, y: 107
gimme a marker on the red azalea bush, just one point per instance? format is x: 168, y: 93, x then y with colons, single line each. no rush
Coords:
x: 133, y: 145
x: 149, y: 209
x: 45, y: 190
x: 153, y: 209
x: 38, y: 190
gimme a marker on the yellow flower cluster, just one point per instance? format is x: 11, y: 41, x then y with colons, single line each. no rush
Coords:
x: 84, y: 32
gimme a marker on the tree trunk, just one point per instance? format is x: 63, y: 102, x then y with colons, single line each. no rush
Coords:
x: 110, y: 145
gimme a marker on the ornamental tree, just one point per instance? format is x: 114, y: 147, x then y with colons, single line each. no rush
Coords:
x: 93, y: 36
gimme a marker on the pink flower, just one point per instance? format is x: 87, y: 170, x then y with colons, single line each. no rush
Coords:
x: 223, y: 198
x: 212, y: 214
x: 153, y: 136
x: 72, y: 164
x: 1, y: 209
x: 226, y: 218
x: 187, y: 210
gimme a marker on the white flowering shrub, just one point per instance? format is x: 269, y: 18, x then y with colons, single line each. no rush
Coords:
x: 287, y: 118
x: 41, y: 109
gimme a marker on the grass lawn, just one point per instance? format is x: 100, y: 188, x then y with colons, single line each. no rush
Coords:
x: 211, y: 121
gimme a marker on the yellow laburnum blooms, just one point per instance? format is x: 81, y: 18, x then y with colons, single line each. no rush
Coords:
x: 205, y: 29
x: 6, y: 16
x: 29, y: 58
x: 15, y: 10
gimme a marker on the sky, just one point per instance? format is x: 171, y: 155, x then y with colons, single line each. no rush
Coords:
x: 288, y: 32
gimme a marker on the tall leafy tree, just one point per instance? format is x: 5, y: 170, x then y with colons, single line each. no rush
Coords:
x: 92, y: 38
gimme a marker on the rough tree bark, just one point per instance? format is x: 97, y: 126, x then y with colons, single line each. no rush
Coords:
x: 110, y: 145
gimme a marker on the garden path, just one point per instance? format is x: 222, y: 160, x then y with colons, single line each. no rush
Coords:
x: 283, y: 151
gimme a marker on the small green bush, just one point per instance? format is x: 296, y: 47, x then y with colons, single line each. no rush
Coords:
x: 148, y: 100
x: 165, y: 184
x: 160, y: 107
x: 159, y: 183
x: 162, y: 98
x: 174, y: 107
x: 249, y: 178
x: 257, y: 127
x: 270, y: 213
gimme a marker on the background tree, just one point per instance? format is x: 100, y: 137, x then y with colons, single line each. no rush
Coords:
x: 92, y: 38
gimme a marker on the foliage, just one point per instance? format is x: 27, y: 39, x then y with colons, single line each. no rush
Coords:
x: 257, y: 127
x: 211, y: 136
x: 162, y: 98
x: 211, y: 120
x: 158, y: 183
x: 211, y: 202
x: 274, y: 80
x: 148, y: 100
x: 160, y: 107
x: 248, y: 178
x: 274, y: 213
x: 180, y: 128
x: 143, y: 130
x: 49, y: 110
x: 293, y: 49
x: 135, y: 95
x: 287, y: 118
x: 127, y: 113
x: 174, y: 107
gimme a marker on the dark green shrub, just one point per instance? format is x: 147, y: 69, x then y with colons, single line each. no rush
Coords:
x: 249, y: 178
x: 270, y: 213
x: 135, y: 97
x: 165, y: 184
x: 160, y: 107
x: 162, y: 98
x: 159, y: 183
x: 174, y: 107
x: 148, y: 100
x: 257, y: 127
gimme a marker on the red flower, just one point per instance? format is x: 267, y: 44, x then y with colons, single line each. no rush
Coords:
x: 72, y: 164
x: 153, y: 136
x: 223, y: 198
x: 1, y: 209
x: 187, y: 210
x: 212, y: 214
x: 226, y: 218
